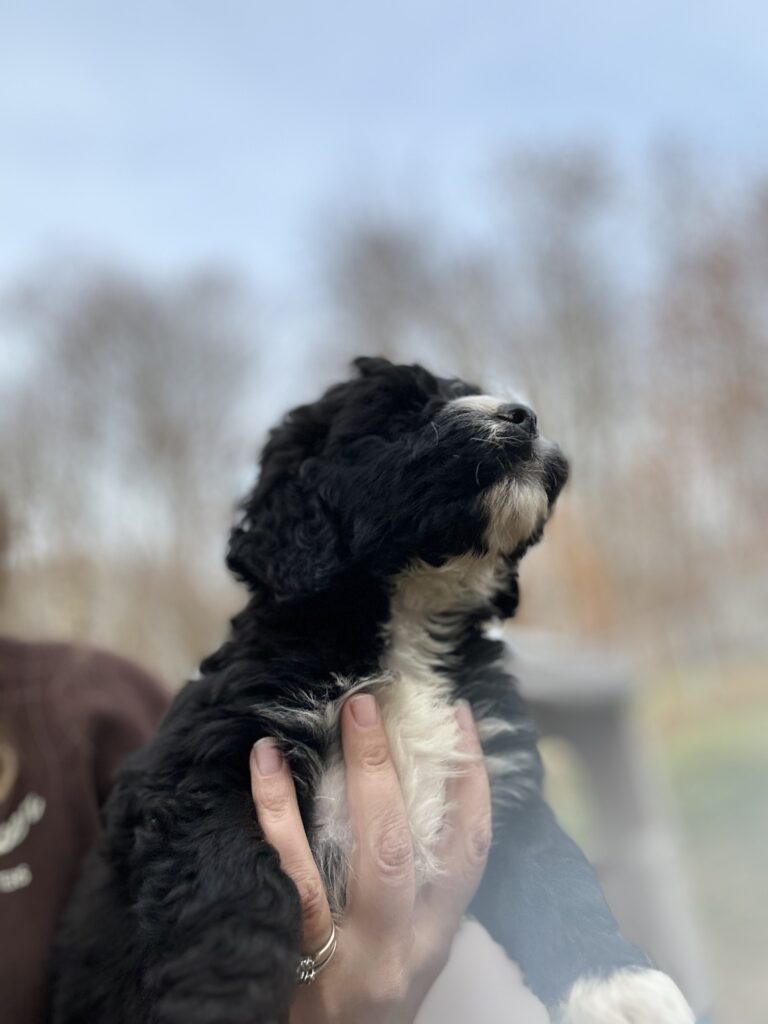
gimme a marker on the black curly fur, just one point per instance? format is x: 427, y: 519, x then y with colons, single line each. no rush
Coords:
x: 182, y: 914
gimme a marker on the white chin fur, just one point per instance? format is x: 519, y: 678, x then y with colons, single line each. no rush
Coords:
x: 516, y: 508
x: 627, y: 997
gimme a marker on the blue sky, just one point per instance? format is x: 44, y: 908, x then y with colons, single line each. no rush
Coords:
x: 173, y: 132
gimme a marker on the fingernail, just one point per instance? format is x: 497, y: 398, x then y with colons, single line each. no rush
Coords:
x: 269, y: 760
x: 364, y: 709
x: 464, y: 717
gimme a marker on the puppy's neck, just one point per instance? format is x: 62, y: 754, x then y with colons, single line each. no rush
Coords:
x: 421, y: 617
x: 431, y: 607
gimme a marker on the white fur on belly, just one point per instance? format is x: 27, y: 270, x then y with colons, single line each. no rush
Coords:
x: 626, y: 997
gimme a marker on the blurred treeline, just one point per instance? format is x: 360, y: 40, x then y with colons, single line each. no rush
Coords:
x: 632, y: 313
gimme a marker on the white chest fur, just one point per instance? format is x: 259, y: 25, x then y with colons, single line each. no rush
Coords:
x: 419, y: 721
x: 415, y: 699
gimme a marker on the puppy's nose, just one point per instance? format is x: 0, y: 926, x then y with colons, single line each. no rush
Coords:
x: 520, y: 415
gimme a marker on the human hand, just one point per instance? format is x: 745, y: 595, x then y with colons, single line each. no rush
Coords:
x: 393, y: 941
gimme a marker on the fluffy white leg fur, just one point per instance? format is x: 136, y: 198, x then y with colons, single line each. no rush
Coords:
x: 627, y: 997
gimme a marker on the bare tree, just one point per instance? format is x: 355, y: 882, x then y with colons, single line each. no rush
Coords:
x: 125, y: 442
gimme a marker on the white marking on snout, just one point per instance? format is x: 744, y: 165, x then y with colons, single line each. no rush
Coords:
x: 488, y: 404
x: 626, y: 997
x: 482, y: 411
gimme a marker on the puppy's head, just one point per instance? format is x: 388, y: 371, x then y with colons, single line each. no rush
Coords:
x: 392, y: 467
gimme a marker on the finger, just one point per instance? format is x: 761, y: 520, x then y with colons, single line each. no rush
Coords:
x: 466, y: 839
x: 274, y: 797
x: 381, y: 887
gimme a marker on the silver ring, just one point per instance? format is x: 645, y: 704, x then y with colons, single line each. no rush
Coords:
x: 310, y: 966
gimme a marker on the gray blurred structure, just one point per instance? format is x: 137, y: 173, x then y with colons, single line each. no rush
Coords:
x: 587, y: 700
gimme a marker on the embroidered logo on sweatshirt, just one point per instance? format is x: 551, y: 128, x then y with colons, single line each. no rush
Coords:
x: 13, y: 831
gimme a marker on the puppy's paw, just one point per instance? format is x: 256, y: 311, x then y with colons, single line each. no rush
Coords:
x: 626, y: 997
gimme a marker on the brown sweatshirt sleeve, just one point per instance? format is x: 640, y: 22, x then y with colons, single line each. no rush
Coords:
x: 68, y: 715
x: 110, y: 707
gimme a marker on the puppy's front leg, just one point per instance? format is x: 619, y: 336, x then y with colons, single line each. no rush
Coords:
x: 541, y: 900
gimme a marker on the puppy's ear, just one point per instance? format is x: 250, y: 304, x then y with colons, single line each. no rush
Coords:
x: 287, y: 542
x: 371, y: 366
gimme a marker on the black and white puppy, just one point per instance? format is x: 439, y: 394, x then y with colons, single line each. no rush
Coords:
x: 382, y: 537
